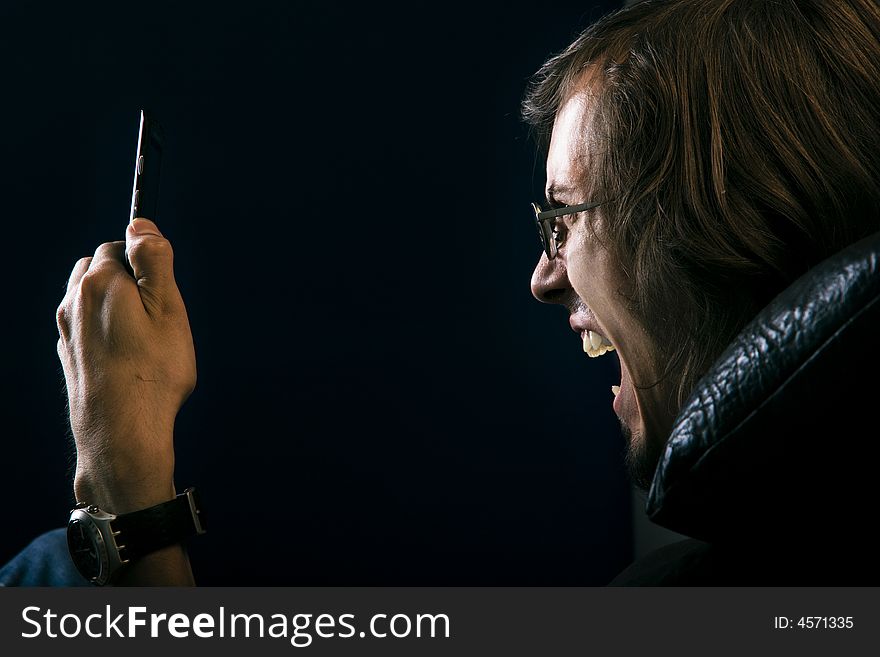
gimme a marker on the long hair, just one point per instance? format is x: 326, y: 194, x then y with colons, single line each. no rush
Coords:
x: 736, y: 144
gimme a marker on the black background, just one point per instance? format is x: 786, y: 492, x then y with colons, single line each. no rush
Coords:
x: 380, y: 399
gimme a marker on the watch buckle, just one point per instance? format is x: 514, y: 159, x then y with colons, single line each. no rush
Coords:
x: 194, y: 510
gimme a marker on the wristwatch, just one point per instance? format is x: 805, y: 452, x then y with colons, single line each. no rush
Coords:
x: 102, y: 543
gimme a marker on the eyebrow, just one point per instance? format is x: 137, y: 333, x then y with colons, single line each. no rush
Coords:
x: 554, y: 191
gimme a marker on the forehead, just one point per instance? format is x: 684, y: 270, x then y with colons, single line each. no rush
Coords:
x: 567, y: 156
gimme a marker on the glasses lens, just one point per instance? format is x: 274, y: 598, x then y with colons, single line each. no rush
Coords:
x: 548, y: 240
x: 545, y: 233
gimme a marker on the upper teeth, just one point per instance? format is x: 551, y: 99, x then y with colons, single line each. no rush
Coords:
x: 596, y: 345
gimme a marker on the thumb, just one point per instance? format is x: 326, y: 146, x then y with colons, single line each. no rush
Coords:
x: 152, y: 261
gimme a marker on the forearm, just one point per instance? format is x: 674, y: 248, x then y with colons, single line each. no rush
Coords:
x: 124, y: 488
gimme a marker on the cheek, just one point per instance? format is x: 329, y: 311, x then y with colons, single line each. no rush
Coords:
x: 594, y: 278
x: 602, y: 286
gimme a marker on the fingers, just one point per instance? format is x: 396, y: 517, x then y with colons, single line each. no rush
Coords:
x: 152, y: 261
x: 62, y: 314
x: 109, y: 255
x: 106, y: 272
x: 80, y: 268
x: 90, y: 281
x: 93, y: 279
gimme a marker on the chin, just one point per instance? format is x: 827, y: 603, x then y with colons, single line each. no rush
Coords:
x: 642, y: 456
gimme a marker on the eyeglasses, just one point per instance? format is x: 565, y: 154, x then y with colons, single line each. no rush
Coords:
x: 548, y: 231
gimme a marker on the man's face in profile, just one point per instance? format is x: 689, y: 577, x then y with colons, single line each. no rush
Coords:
x: 587, y: 280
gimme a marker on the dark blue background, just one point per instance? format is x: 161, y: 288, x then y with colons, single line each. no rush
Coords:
x: 380, y: 399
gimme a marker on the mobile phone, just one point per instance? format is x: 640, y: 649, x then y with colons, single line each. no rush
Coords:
x: 147, y: 167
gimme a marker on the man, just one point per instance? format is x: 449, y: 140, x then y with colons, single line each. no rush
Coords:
x: 703, y: 155
x: 128, y: 359
x: 725, y: 148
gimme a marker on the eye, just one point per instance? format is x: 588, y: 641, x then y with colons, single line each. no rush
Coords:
x: 560, y: 231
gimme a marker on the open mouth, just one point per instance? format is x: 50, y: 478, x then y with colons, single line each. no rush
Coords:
x: 595, y: 345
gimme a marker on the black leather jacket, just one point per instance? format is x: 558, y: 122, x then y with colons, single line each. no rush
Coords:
x: 773, y: 464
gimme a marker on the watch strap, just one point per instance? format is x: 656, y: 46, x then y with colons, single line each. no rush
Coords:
x: 141, y: 532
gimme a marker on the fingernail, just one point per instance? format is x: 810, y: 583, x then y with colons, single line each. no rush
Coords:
x: 144, y: 227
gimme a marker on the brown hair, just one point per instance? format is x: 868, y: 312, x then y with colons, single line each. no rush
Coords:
x: 736, y: 143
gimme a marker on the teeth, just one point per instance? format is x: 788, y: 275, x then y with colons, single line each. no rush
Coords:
x: 615, y: 390
x: 596, y: 345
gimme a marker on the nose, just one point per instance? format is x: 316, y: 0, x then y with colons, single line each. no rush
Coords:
x: 550, y: 280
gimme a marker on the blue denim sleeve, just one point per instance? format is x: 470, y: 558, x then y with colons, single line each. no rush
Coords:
x: 45, y: 562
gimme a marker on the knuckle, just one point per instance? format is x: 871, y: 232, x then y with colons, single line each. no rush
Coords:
x: 95, y: 282
x: 153, y: 247
x: 191, y: 383
x: 81, y: 266
x: 107, y: 250
x: 103, y: 249
x: 61, y: 320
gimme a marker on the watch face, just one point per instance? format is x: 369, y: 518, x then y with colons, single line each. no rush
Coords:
x: 86, y: 548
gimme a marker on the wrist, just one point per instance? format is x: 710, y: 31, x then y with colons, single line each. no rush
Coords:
x: 138, y: 547
x: 123, y: 493
x: 126, y: 478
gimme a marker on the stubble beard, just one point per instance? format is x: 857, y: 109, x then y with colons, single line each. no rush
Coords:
x: 642, y: 457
